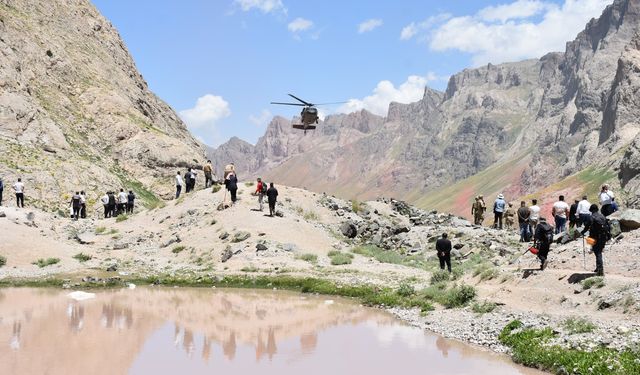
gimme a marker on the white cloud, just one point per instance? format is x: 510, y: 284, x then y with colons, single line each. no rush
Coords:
x: 385, y: 92
x: 414, y: 28
x: 203, y: 118
x: 265, y: 6
x: 369, y: 25
x: 409, y: 31
x: 262, y: 119
x: 519, y: 30
x: 299, y: 24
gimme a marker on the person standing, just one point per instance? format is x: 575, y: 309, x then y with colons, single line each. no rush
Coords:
x: 523, y: 221
x: 179, y: 184
x: 272, y: 198
x: 560, y: 212
x: 18, y: 188
x: 112, y: 204
x: 208, y: 174
x: 606, y: 198
x: 83, y: 205
x: 534, y: 215
x: 1, y: 189
x: 478, y: 209
x: 187, y: 180
x: 130, y: 201
x: 584, y: 215
x: 573, y: 214
x: 105, y: 204
x: 192, y: 179
x: 76, y: 204
x: 261, y: 189
x: 509, y: 216
x: 499, y: 206
x: 598, y: 230
x: 543, y: 238
x: 232, y: 185
x: 443, y: 247
x: 122, y: 202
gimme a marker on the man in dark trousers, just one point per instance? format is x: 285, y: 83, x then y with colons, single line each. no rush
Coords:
x: 543, y: 238
x: 131, y: 198
x: 232, y: 185
x: 523, y: 221
x: 272, y: 197
x: 1, y: 189
x: 76, y: 204
x: 443, y: 247
x: 599, y: 230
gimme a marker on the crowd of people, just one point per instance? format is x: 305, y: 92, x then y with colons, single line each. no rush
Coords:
x: 118, y: 204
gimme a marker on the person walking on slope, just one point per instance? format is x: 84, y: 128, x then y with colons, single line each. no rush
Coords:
x: 523, y: 221
x: 179, y: 183
x: 534, y: 215
x: 478, y: 209
x: 76, y: 203
x: 208, y: 174
x: 131, y: 198
x: 443, y: 247
x: 584, y: 215
x: 573, y: 214
x: 272, y: 197
x: 509, y: 216
x: 1, y: 189
x: 499, y: 206
x: 600, y: 231
x: 231, y: 184
x: 105, y: 203
x: 543, y: 238
x: 261, y: 190
x: 560, y: 212
x: 18, y: 188
x: 83, y: 205
x: 606, y: 198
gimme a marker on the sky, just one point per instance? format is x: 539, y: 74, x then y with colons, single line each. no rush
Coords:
x: 219, y: 63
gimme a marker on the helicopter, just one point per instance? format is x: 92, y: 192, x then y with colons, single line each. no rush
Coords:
x: 308, y: 115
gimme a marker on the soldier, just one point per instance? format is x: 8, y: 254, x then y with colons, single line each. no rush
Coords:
x: 509, y: 216
x: 478, y: 209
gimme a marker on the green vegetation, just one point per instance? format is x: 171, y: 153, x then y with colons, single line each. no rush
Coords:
x: 593, y: 282
x: 178, y: 249
x: 311, y: 258
x: 531, y: 347
x: 449, y: 297
x: 311, y: 216
x: 390, y: 256
x: 486, y: 272
x: 483, y: 307
x: 148, y: 199
x: 248, y: 184
x: 405, y: 290
x: 356, y: 206
x: 339, y: 258
x: 46, y: 262
x: 121, y: 217
x: 3, y: 260
x: 215, y: 188
x: 100, y: 230
x: 81, y: 257
x: 250, y: 268
x: 439, y: 276
x: 578, y: 325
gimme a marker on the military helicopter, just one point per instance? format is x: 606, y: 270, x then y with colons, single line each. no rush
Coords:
x: 309, y: 114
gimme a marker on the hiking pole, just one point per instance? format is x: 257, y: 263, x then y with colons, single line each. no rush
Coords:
x: 584, y: 255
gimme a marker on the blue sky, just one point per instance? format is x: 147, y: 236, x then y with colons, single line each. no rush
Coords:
x: 219, y: 63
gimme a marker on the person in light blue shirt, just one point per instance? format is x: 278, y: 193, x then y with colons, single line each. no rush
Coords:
x: 499, y: 206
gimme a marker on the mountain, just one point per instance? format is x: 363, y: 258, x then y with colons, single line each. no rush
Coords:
x: 563, y: 123
x: 74, y: 111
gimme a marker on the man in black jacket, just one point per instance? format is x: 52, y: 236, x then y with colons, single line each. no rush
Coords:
x: 599, y: 230
x: 443, y: 247
x: 543, y: 238
x: 272, y: 197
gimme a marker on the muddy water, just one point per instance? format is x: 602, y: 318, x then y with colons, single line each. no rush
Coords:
x: 207, y: 331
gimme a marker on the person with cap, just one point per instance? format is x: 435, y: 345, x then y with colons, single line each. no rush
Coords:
x: 606, y: 198
x: 499, y: 206
x: 543, y: 238
x: 478, y: 209
x: 560, y: 212
x: 443, y: 247
x: 599, y: 230
x: 509, y: 216
x: 584, y: 215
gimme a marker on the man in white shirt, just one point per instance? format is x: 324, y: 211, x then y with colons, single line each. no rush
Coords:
x: 179, y: 184
x: 584, y: 215
x: 534, y: 216
x: 105, y: 204
x: 122, y: 202
x: 18, y: 187
x: 606, y: 200
x: 560, y: 212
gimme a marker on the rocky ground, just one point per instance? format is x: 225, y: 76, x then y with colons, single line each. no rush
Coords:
x: 385, y: 242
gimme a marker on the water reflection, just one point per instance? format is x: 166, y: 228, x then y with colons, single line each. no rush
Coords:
x: 158, y: 331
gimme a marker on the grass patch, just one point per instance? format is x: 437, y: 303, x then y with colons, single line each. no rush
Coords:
x: 593, y: 282
x: 483, y: 307
x: 100, y: 230
x: 578, y: 325
x: 439, y: 276
x: 531, y: 347
x: 250, y: 269
x: 3, y: 261
x: 390, y: 256
x: 46, y: 262
x: 178, y: 249
x: 339, y: 258
x: 311, y: 216
x: 121, y: 217
x: 449, y: 297
x: 356, y: 206
x: 248, y: 184
x: 405, y: 290
x: 81, y: 257
x: 311, y: 258
x: 216, y: 188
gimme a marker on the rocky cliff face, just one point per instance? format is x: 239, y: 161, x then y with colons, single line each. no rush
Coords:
x: 74, y: 111
x: 512, y: 128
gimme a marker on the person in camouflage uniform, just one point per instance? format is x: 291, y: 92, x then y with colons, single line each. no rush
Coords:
x: 478, y: 209
x: 510, y: 217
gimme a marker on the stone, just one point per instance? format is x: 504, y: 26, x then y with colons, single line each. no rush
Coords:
x: 629, y: 219
x: 224, y: 235
x: 227, y: 253
x: 261, y: 247
x: 622, y: 330
x: 348, y: 229
x: 240, y: 236
x: 290, y: 247
x: 120, y: 245
x: 174, y: 239
x: 2, y: 214
x: 86, y: 238
x: 112, y: 268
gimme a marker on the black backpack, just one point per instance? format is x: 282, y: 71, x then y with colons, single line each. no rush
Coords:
x: 600, y: 227
x: 546, y: 236
x: 263, y: 190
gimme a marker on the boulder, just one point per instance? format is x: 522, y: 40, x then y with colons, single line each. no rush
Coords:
x: 227, y: 253
x: 240, y: 236
x: 86, y: 238
x: 224, y: 235
x: 349, y: 229
x: 261, y: 247
x: 289, y: 247
x: 2, y: 214
x: 629, y: 219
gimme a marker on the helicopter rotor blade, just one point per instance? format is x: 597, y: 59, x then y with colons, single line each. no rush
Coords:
x: 330, y: 103
x: 296, y: 104
x: 300, y: 100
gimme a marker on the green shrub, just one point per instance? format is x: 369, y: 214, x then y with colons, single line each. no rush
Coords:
x: 356, y: 206
x: 440, y: 276
x: 311, y: 216
x: 250, y: 269
x: 459, y: 296
x: 46, y: 262
x: 483, y: 308
x: 311, y: 258
x: 578, y: 325
x: 81, y: 257
x: 121, y: 217
x: 248, y: 184
x: 100, y: 230
x: 178, y: 249
x: 593, y: 282
x: 489, y: 274
x: 216, y: 188
x: 457, y: 273
x: 3, y: 261
x: 405, y: 290
x: 339, y: 258
x: 384, y: 256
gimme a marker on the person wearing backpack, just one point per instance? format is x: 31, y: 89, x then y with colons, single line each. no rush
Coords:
x: 76, y: 204
x: 272, y: 197
x: 600, y: 231
x: 261, y: 190
x: 499, y: 206
x: 232, y: 185
x: 543, y: 238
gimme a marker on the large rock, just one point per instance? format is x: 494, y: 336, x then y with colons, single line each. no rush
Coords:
x: 629, y: 219
x: 86, y: 238
x: 349, y: 229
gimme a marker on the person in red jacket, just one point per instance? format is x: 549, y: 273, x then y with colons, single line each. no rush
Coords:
x: 261, y: 190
